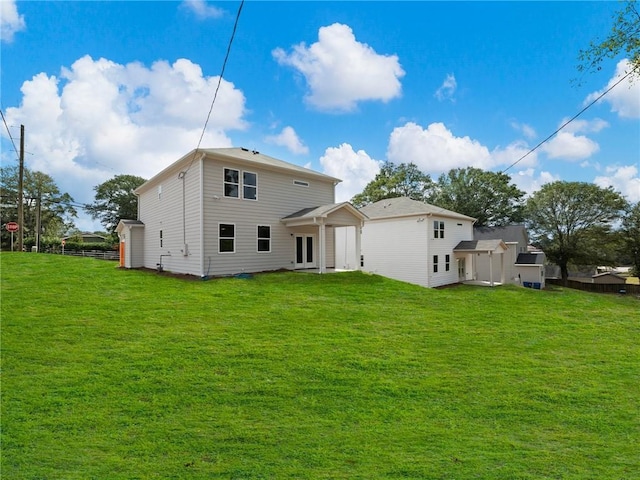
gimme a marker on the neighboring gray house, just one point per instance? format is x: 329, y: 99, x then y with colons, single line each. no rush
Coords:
x: 415, y: 242
x: 231, y: 210
x: 516, y: 239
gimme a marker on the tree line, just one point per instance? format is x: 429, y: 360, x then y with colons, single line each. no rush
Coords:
x: 574, y: 223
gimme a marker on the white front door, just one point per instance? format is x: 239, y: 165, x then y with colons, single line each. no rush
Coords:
x: 462, y: 273
x: 305, y: 251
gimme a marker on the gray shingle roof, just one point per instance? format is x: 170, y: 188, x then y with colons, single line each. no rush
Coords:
x: 404, y: 207
x: 478, y: 246
x: 508, y: 233
x: 529, y: 259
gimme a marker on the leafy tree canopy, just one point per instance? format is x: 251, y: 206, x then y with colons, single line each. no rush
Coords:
x: 487, y: 196
x: 623, y: 39
x: 404, y: 180
x: 631, y: 236
x: 56, y: 208
x: 115, y: 200
x: 571, y: 221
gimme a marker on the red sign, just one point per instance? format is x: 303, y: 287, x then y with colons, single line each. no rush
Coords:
x: 12, y: 227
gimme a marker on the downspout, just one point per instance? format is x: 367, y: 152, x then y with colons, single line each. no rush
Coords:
x: 202, y: 271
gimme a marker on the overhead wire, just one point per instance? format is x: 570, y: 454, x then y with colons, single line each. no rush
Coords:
x: 571, y: 119
x: 215, y: 94
x: 9, y: 133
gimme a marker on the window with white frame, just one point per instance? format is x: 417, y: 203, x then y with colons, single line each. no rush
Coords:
x: 447, y: 263
x: 264, y: 238
x: 435, y: 264
x: 438, y: 229
x: 236, y: 181
x: 231, y: 183
x: 226, y: 238
x: 249, y: 186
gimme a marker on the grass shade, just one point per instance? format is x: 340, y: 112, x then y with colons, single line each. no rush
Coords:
x: 119, y: 374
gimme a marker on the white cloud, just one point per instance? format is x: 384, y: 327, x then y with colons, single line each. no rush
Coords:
x: 529, y: 182
x: 624, y: 179
x: 584, y: 126
x: 527, y: 130
x: 624, y: 99
x: 202, y: 10
x: 340, y: 71
x: 289, y: 139
x: 568, y: 145
x: 447, y: 89
x: 355, y: 169
x: 101, y: 118
x: 11, y: 22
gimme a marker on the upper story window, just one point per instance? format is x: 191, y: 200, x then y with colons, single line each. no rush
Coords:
x: 234, y: 182
x: 301, y: 183
x: 249, y: 186
x: 438, y: 229
x: 231, y: 183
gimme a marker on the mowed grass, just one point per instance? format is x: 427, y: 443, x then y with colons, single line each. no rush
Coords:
x: 115, y: 374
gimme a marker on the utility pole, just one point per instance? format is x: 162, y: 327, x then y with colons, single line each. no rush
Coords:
x: 20, y: 191
x: 38, y: 213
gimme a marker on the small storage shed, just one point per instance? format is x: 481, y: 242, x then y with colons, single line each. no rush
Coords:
x: 530, y: 269
x: 131, y: 233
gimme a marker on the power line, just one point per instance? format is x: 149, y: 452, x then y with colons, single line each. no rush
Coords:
x: 224, y: 64
x: 9, y: 133
x: 571, y: 119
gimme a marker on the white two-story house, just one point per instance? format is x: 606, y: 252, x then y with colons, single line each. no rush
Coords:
x: 416, y: 242
x: 226, y: 211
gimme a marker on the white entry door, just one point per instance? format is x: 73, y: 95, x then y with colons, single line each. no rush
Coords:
x: 462, y: 272
x: 305, y: 251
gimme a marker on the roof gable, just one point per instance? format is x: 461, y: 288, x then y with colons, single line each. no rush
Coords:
x: 324, y: 211
x: 405, y: 207
x: 481, y: 246
x: 242, y: 156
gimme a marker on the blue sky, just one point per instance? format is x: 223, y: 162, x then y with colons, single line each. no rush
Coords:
x: 107, y: 88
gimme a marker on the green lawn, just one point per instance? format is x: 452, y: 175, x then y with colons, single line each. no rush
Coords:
x: 115, y: 374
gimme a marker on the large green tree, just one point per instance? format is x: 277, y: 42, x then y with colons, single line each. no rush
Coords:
x: 490, y: 197
x: 631, y: 237
x: 404, y: 180
x: 624, y: 39
x: 571, y: 222
x: 115, y: 200
x: 43, y: 202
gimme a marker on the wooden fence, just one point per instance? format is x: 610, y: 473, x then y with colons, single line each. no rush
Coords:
x: 625, y: 288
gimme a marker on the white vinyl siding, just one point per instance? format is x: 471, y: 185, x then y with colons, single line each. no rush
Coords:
x: 278, y: 197
x: 178, y: 222
x: 396, y: 248
x: 404, y: 248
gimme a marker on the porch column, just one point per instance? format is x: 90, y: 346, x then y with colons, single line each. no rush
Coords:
x: 502, y: 273
x: 490, y: 268
x: 322, y: 267
x: 358, y: 247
